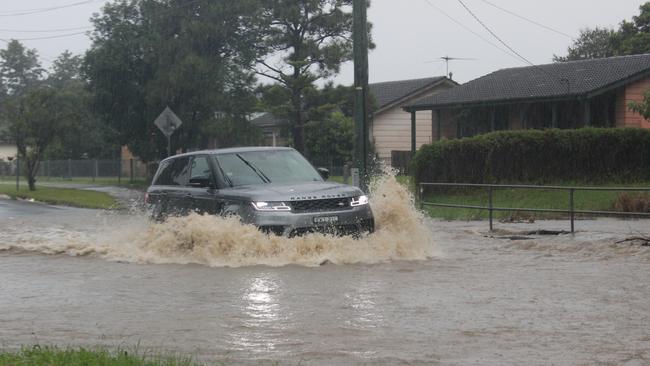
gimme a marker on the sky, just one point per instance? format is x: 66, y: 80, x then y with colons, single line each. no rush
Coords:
x: 411, y: 35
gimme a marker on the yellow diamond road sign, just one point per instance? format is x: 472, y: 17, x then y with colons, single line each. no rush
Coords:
x: 168, y: 122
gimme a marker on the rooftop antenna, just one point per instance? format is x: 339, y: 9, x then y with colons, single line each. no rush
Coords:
x: 448, y: 58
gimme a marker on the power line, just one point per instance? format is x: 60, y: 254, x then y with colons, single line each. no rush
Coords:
x: 512, y: 49
x: 49, y: 37
x: 494, y: 34
x: 469, y: 29
x: 45, y: 30
x: 528, y: 19
x: 44, y: 10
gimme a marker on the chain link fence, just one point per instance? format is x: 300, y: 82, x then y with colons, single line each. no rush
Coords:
x: 112, y: 171
x: 131, y: 170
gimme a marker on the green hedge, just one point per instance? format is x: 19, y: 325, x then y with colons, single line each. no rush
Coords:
x: 588, y: 155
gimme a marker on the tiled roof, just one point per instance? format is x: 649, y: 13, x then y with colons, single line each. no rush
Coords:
x: 390, y: 92
x: 562, y: 79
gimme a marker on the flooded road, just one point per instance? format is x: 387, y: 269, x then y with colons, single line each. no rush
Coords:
x: 461, y: 298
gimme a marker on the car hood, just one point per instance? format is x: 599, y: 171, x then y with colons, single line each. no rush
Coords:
x: 292, y: 192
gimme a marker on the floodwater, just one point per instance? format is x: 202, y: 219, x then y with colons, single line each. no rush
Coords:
x: 418, y: 292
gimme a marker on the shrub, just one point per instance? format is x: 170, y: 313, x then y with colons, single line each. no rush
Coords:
x: 626, y: 202
x: 588, y: 155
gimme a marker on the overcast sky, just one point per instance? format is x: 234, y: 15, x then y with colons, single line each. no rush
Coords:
x: 408, y: 33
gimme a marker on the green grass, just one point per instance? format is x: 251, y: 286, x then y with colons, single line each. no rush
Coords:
x: 139, y: 183
x: 400, y: 178
x: 517, y: 198
x: 51, y: 356
x: 62, y: 196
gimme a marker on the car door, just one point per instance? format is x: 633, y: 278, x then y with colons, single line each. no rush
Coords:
x: 178, y: 196
x: 202, y: 185
x: 157, y: 193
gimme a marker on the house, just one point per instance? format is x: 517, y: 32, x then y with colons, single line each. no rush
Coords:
x: 7, y: 145
x: 7, y: 150
x: 273, y: 128
x: 389, y: 128
x: 574, y: 94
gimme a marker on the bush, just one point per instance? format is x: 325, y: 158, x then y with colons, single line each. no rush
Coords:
x: 588, y: 155
x: 626, y: 202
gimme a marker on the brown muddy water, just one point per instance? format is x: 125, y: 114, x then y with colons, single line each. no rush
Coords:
x: 417, y: 292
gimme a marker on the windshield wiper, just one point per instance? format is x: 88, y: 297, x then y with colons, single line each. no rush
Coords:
x: 224, y: 175
x: 257, y: 171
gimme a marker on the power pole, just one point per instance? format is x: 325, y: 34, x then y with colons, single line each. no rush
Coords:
x: 362, y: 132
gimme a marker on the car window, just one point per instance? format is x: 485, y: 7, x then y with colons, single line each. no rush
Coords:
x: 274, y: 166
x: 200, y: 168
x: 175, y: 173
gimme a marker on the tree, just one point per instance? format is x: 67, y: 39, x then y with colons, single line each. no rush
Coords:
x: 331, y: 141
x: 631, y: 38
x: 19, y: 68
x: 592, y: 43
x: 193, y: 56
x: 20, y: 72
x: 643, y: 107
x: 85, y: 136
x: 37, y: 118
x: 66, y: 71
x: 310, y: 39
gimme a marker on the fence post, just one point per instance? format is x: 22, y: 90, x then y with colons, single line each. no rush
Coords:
x: 491, y: 211
x: 47, y: 169
x: 572, y: 209
x: 69, y: 169
x: 17, y: 174
x: 119, y: 171
x: 131, y: 169
x: 421, y: 196
x: 95, y: 172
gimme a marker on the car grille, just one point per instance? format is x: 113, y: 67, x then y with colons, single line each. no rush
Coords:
x: 272, y: 229
x: 334, y: 204
x: 356, y: 230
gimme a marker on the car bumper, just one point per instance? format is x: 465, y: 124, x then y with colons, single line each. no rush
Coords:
x: 348, y: 222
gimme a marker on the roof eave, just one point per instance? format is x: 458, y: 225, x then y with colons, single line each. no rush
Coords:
x: 483, y: 103
x: 399, y: 101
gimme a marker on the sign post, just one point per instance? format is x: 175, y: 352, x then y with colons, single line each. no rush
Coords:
x: 168, y: 122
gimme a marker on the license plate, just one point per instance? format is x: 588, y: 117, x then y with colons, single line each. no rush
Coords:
x: 326, y: 220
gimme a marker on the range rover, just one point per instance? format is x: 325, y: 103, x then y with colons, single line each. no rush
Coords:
x: 275, y: 189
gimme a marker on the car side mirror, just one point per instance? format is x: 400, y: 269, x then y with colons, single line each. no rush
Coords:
x: 201, y: 182
x: 325, y: 173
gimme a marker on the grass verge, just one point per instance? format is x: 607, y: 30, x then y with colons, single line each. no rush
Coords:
x: 62, y: 196
x: 51, y: 356
x: 139, y: 184
x: 403, y: 179
x: 516, y: 198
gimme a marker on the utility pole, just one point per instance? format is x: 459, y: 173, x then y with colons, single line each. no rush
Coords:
x: 360, y: 35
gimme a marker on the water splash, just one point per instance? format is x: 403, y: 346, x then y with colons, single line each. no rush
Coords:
x: 216, y: 241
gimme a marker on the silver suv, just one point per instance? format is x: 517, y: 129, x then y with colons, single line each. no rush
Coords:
x: 276, y: 189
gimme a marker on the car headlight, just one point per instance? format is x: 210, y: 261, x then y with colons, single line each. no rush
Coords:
x: 271, y: 206
x: 359, y: 201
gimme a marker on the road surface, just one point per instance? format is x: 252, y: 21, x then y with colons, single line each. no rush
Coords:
x: 562, y: 300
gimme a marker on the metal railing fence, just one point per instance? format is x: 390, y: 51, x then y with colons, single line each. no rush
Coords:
x: 571, y: 210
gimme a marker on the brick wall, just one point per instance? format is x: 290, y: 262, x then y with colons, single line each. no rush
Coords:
x: 632, y: 92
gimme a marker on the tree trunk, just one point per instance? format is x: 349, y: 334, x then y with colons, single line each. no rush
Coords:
x: 32, y: 166
x: 32, y: 183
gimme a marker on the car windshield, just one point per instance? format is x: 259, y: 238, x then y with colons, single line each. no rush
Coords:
x: 260, y: 167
